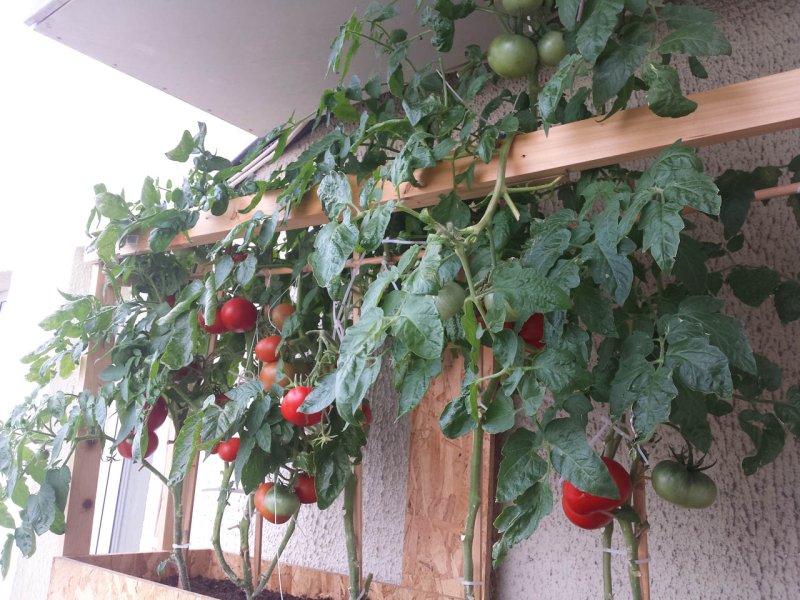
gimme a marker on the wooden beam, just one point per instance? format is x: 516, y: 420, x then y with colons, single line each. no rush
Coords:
x: 750, y: 108
x: 85, y: 462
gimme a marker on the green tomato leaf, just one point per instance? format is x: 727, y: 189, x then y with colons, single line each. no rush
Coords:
x: 333, y: 469
x: 787, y: 301
x: 701, y: 366
x: 599, y: 22
x: 521, y: 466
x: 41, y: 509
x: 653, y: 402
x: 418, y: 326
x: 576, y: 461
x: 662, y: 224
x: 185, y: 448
x: 594, y: 309
x: 551, y: 93
x: 789, y: 410
x: 418, y: 375
x: 183, y: 150
x: 610, y: 270
x: 518, y: 521
x: 254, y: 469
x: 548, y: 240
x: 374, y: 226
x: 25, y: 539
x: 753, y: 285
x: 333, y: 246
x: 568, y: 13
x: 5, y: 557
x: 767, y: 435
x: 619, y: 62
x: 246, y: 270
x: 456, y: 419
x: 690, y: 414
x: 695, y: 39
x: 322, y: 396
x: 527, y: 290
x: 499, y: 415
x: 335, y: 193
x: 664, y: 96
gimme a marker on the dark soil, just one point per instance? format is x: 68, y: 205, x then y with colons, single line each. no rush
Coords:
x: 227, y: 590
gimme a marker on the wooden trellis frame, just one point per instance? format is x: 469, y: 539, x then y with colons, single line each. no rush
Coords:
x: 751, y: 108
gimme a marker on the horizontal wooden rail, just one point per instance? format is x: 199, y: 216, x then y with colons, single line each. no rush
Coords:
x: 750, y: 108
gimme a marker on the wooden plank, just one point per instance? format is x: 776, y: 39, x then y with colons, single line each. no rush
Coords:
x: 438, y: 496
x: 83, y: 488
x: 133, y: 576
x: 746, y: 109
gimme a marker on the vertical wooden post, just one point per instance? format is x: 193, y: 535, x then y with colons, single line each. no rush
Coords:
x: 640, y: 506
x: 83, y: 489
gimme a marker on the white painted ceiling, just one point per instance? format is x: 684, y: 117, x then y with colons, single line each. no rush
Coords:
x: 250, y: 62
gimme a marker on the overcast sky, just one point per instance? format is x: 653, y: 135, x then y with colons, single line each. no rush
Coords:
x: 66, y: 123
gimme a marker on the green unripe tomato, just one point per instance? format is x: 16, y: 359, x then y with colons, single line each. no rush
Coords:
x: 686, y: 487
x: 450, y: 300
x: 512, y: 56
x: 552, y: 48
x: 522, y: 8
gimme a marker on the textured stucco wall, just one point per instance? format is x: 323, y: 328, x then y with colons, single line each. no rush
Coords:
x: 746, y: 547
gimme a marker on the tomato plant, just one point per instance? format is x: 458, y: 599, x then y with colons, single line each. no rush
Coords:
x: 125, y: 447
x: 601, y: 264
x: 229, y: 449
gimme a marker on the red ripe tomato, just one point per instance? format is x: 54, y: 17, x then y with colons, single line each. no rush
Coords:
x: 304, y: 489
x: 158, y: 415
x: 533, y: 331
x: 228, y: 450
x: 170, y: 300
x: 293, y: 399
x: 238, y: 257
x: 591, y: 521
x: 125, y: 447
x: 275, y: 503
x: 215, y: 449
x: 239, y: 315
x: 221, y: 399
x: 586, y: 504
x: 267, y: 348
x: 217, y: 327
x: 280, y: 313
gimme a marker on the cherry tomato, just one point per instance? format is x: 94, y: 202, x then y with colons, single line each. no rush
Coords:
x: 239, y: 315
x: 267, y: 348
x: 221, y: 399
x: 157, y: 415
x: 304, y: 489
x: 275, y: 503
x: 125, y: 447
x: 594, y: 520
x: 228, y: 450
x: 450, y: 300
x: 269, y: 375
x: 279, y: 314
x: 365, y: 408
x: 293, y: 399
x: 585, y: 504
x: 238, y: 257
x: 533, y: 330
x: 217, y: 327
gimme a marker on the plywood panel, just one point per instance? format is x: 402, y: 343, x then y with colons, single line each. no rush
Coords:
x: 438, y: 496
x: 133, y: 577
x: 755, y: 107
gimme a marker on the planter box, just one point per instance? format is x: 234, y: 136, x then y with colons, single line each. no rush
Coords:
x: 134, y: 577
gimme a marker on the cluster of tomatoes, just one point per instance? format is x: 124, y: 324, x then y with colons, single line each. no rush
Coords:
x: 512, y: 55
x: 593, y: 512
x: 155, y: 419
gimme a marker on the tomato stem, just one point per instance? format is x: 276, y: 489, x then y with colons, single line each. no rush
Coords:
x: 472, y: 513
x: 222, y: 502
x: 262, y: 582
x: 608, y: 590
x: 353, y: 563
x: 633, y: 555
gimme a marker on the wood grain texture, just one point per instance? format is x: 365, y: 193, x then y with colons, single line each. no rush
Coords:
x: 438, y: 496
x: 83, y: 487
x: 133, y: 577
x: 746, y: 109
